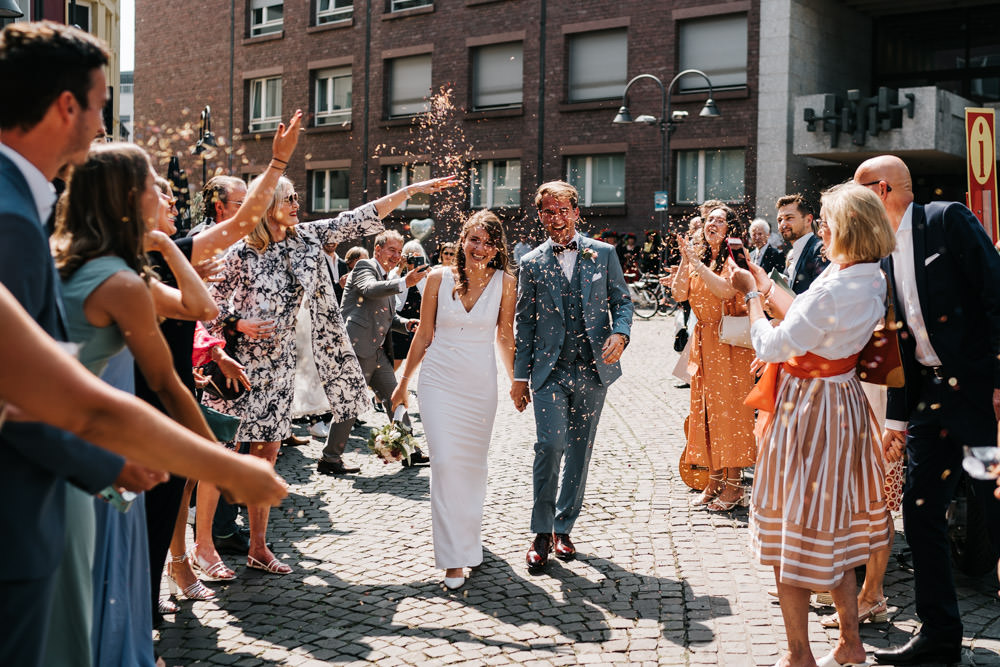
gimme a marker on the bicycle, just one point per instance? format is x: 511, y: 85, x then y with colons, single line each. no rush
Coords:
x: 648, y: 295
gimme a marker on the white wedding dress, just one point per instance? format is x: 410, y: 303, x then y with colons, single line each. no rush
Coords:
x: 457, y: 391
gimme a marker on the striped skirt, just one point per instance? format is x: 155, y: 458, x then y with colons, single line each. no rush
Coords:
x: 817, y: 507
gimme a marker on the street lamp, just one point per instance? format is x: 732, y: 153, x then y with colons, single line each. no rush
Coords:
x: 10, y: 10
x: 205, y: 140
x: 668, y: 123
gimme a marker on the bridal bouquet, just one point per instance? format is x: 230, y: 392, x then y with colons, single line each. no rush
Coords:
x: 392, y: 442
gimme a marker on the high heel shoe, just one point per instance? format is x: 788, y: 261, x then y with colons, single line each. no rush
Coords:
x: 707, y: 496
x: 454, y: 583
x: 196, y: 591
x: 743, y: 500
x: 216, y: 571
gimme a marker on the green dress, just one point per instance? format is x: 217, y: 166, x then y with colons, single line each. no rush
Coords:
x: 69, y: 637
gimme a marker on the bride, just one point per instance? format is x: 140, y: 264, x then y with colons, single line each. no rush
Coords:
x: 464, y: 308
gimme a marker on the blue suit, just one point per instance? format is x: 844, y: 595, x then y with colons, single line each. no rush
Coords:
x: 561, y: 326
x: 35, y: 459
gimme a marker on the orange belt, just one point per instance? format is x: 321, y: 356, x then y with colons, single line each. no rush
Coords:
x: 764, y: 395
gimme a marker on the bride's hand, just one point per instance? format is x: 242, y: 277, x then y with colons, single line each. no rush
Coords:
x: 400, y: 396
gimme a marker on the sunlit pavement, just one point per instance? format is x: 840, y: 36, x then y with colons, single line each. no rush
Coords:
x: 656, y: 582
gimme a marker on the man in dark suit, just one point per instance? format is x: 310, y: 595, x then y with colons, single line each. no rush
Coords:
x: 338, y: 270
x: 762, y: 253
x: 945, y: 272
x: 51, y: 109
x: 369, y: 309
x: 805, y: 260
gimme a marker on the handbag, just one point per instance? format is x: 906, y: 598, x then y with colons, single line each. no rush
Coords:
x: 880, y: 361
x: 217, y: 385
x: 680, y: 339
x: 223, y: 426
x: 734, y: 329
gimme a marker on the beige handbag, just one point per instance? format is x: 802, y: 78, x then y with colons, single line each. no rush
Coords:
x: 734, y: 329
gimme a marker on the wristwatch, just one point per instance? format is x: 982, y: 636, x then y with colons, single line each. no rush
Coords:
x: 752, y: 294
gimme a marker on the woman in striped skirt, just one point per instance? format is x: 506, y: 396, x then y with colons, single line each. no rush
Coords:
x: 817, y: 508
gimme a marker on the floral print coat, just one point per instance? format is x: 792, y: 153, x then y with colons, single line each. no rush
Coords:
x: 271, y: 285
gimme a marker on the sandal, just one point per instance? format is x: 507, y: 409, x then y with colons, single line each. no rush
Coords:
x: 196, y: 591
x: 216, y: 571
x: 166, y: 606
x: 707, y: 497
x: 274, y: 567
x: 743, y: 500
x: 876, y: 613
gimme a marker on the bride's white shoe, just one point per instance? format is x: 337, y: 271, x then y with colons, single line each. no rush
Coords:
x: 454, y: 583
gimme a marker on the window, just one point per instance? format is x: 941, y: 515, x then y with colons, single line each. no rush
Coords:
x: 78, y: 14
x: 598, y: 65
x: 496, y: 183
x: 409, y: 85
x: 497, y: 76
x: 266, y: 17
x: 400, y: 5
x: 716, y: 45
x: 600, y: 179
x: 710, y: 174
x: 400, y: 175
x: 265, y: 104
x: 330, y: 189
x: 331, y: 11
x: 333, y: 96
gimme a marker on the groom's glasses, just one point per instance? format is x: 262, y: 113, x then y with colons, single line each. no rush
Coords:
x: 553, y: 212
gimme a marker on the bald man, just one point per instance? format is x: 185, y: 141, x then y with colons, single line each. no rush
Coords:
x: 946, y: 275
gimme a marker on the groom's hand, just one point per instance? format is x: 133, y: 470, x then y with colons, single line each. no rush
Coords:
x: 613, y: 348
x: 520, y: 395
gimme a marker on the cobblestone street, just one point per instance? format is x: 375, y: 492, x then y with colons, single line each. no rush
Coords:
x: 656, y: 581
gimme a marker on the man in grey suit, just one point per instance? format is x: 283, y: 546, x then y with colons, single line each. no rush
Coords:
x: 369, y: 309
x: 573, y: 319
x: 50, y: 111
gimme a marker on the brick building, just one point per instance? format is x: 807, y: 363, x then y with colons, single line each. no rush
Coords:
x: 534, y: 86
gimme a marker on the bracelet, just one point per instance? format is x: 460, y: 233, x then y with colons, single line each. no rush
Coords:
x: 275, y: 159
x: 274, y: 166
x: 752, y: 294
x: 405, y: 377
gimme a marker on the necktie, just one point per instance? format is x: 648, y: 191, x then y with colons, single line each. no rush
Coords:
x: 558, y: 249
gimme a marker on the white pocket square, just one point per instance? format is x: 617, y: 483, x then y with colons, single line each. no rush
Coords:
x: 931, y: 258
x: 596, y: 277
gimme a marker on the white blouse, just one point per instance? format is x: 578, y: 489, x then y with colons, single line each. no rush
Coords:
x: 834, y: 318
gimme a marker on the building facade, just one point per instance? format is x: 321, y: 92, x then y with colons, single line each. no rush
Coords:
x: 507, y: 93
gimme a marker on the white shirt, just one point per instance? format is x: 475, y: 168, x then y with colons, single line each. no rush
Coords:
x: 794, y: 255
x: 567, y: 258
x: 42, y: 191
x: 834, y: 318
x: 906, y: 286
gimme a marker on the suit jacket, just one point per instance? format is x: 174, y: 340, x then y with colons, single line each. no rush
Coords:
x: 957, y: 271
x: 540, y: 312
x: 342, y: 270
x: 36, y: 459
x: 369, y: 309
x: 771, y: 258
x: 809, y: 265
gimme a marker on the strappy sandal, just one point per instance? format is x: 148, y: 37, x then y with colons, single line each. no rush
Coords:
x: 705, y: 498
x: 216, y: 571
x: 743, y: 500
x: 274, y: 567
x: 876, y: 613
x: 196, y: 591
x: 167, y: 606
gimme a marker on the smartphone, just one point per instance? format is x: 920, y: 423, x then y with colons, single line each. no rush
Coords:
x: 738, y: 253
x: 415, y: 260
x: 120, y: 500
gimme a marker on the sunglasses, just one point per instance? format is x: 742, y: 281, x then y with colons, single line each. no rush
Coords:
x: 888, y: 188
x: 292, y: 198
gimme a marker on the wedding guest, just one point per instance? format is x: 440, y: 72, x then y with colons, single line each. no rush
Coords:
x: 628, y: 255
x: 805, y: 260
x: 467, y: 312
x: 262, y: 284
x: 945, y: 271
x: 221, y: 198
x: 353, y: 255
x: 408, y: 302
x: 566, y: 356
x: 817, y: 509
x: 719, y: 427
x: 762, y: 253
x: 523, y: 246
x: 446, y: 253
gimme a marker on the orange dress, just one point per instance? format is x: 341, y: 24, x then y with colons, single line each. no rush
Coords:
x: 720, y: 426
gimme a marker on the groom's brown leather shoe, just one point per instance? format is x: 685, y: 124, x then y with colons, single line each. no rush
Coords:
x: 564, y: 547
x: 538, y: 554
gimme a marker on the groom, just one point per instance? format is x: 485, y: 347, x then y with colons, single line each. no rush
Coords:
x: 574, y: 315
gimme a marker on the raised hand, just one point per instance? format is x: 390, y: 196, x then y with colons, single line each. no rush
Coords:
x: 434, y: 185
x: 286, y: 138
x: 155, y: 241
x: 210, y: 268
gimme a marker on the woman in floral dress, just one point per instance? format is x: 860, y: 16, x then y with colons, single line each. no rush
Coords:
x: 265, y: 278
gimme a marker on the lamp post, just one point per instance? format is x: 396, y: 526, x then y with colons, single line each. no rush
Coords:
x: 668, y: 123
x: 205, y: 140
x: 10, y: 10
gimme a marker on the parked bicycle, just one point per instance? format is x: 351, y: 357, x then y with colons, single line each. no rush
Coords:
x: 648, y: 295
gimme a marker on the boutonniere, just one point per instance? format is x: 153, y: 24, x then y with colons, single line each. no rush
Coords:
x: 588, y: 253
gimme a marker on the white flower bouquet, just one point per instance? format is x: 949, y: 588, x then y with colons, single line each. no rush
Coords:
x: 392, y: 442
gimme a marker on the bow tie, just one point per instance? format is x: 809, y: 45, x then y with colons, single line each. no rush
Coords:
x: 558, y: 249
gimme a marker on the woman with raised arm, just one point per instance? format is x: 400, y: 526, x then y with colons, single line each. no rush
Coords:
x: 464, y: 309
x: 263, y: 282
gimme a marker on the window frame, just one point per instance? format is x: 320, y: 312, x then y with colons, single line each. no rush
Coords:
x: 701, y: 188
x: 328, y: 172
x: 266, y: 27
x: 487, y: 178
x: 397, y: 5
x: 332, y: 117
x: 334, y: 14
x: 587, y: 192
x: 264, y: 123
x: 418, y: 202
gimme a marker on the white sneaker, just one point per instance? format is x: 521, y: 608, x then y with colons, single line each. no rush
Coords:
x: 320, y: 429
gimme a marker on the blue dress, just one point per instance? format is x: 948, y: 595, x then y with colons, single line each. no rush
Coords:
x: 122, y: 629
